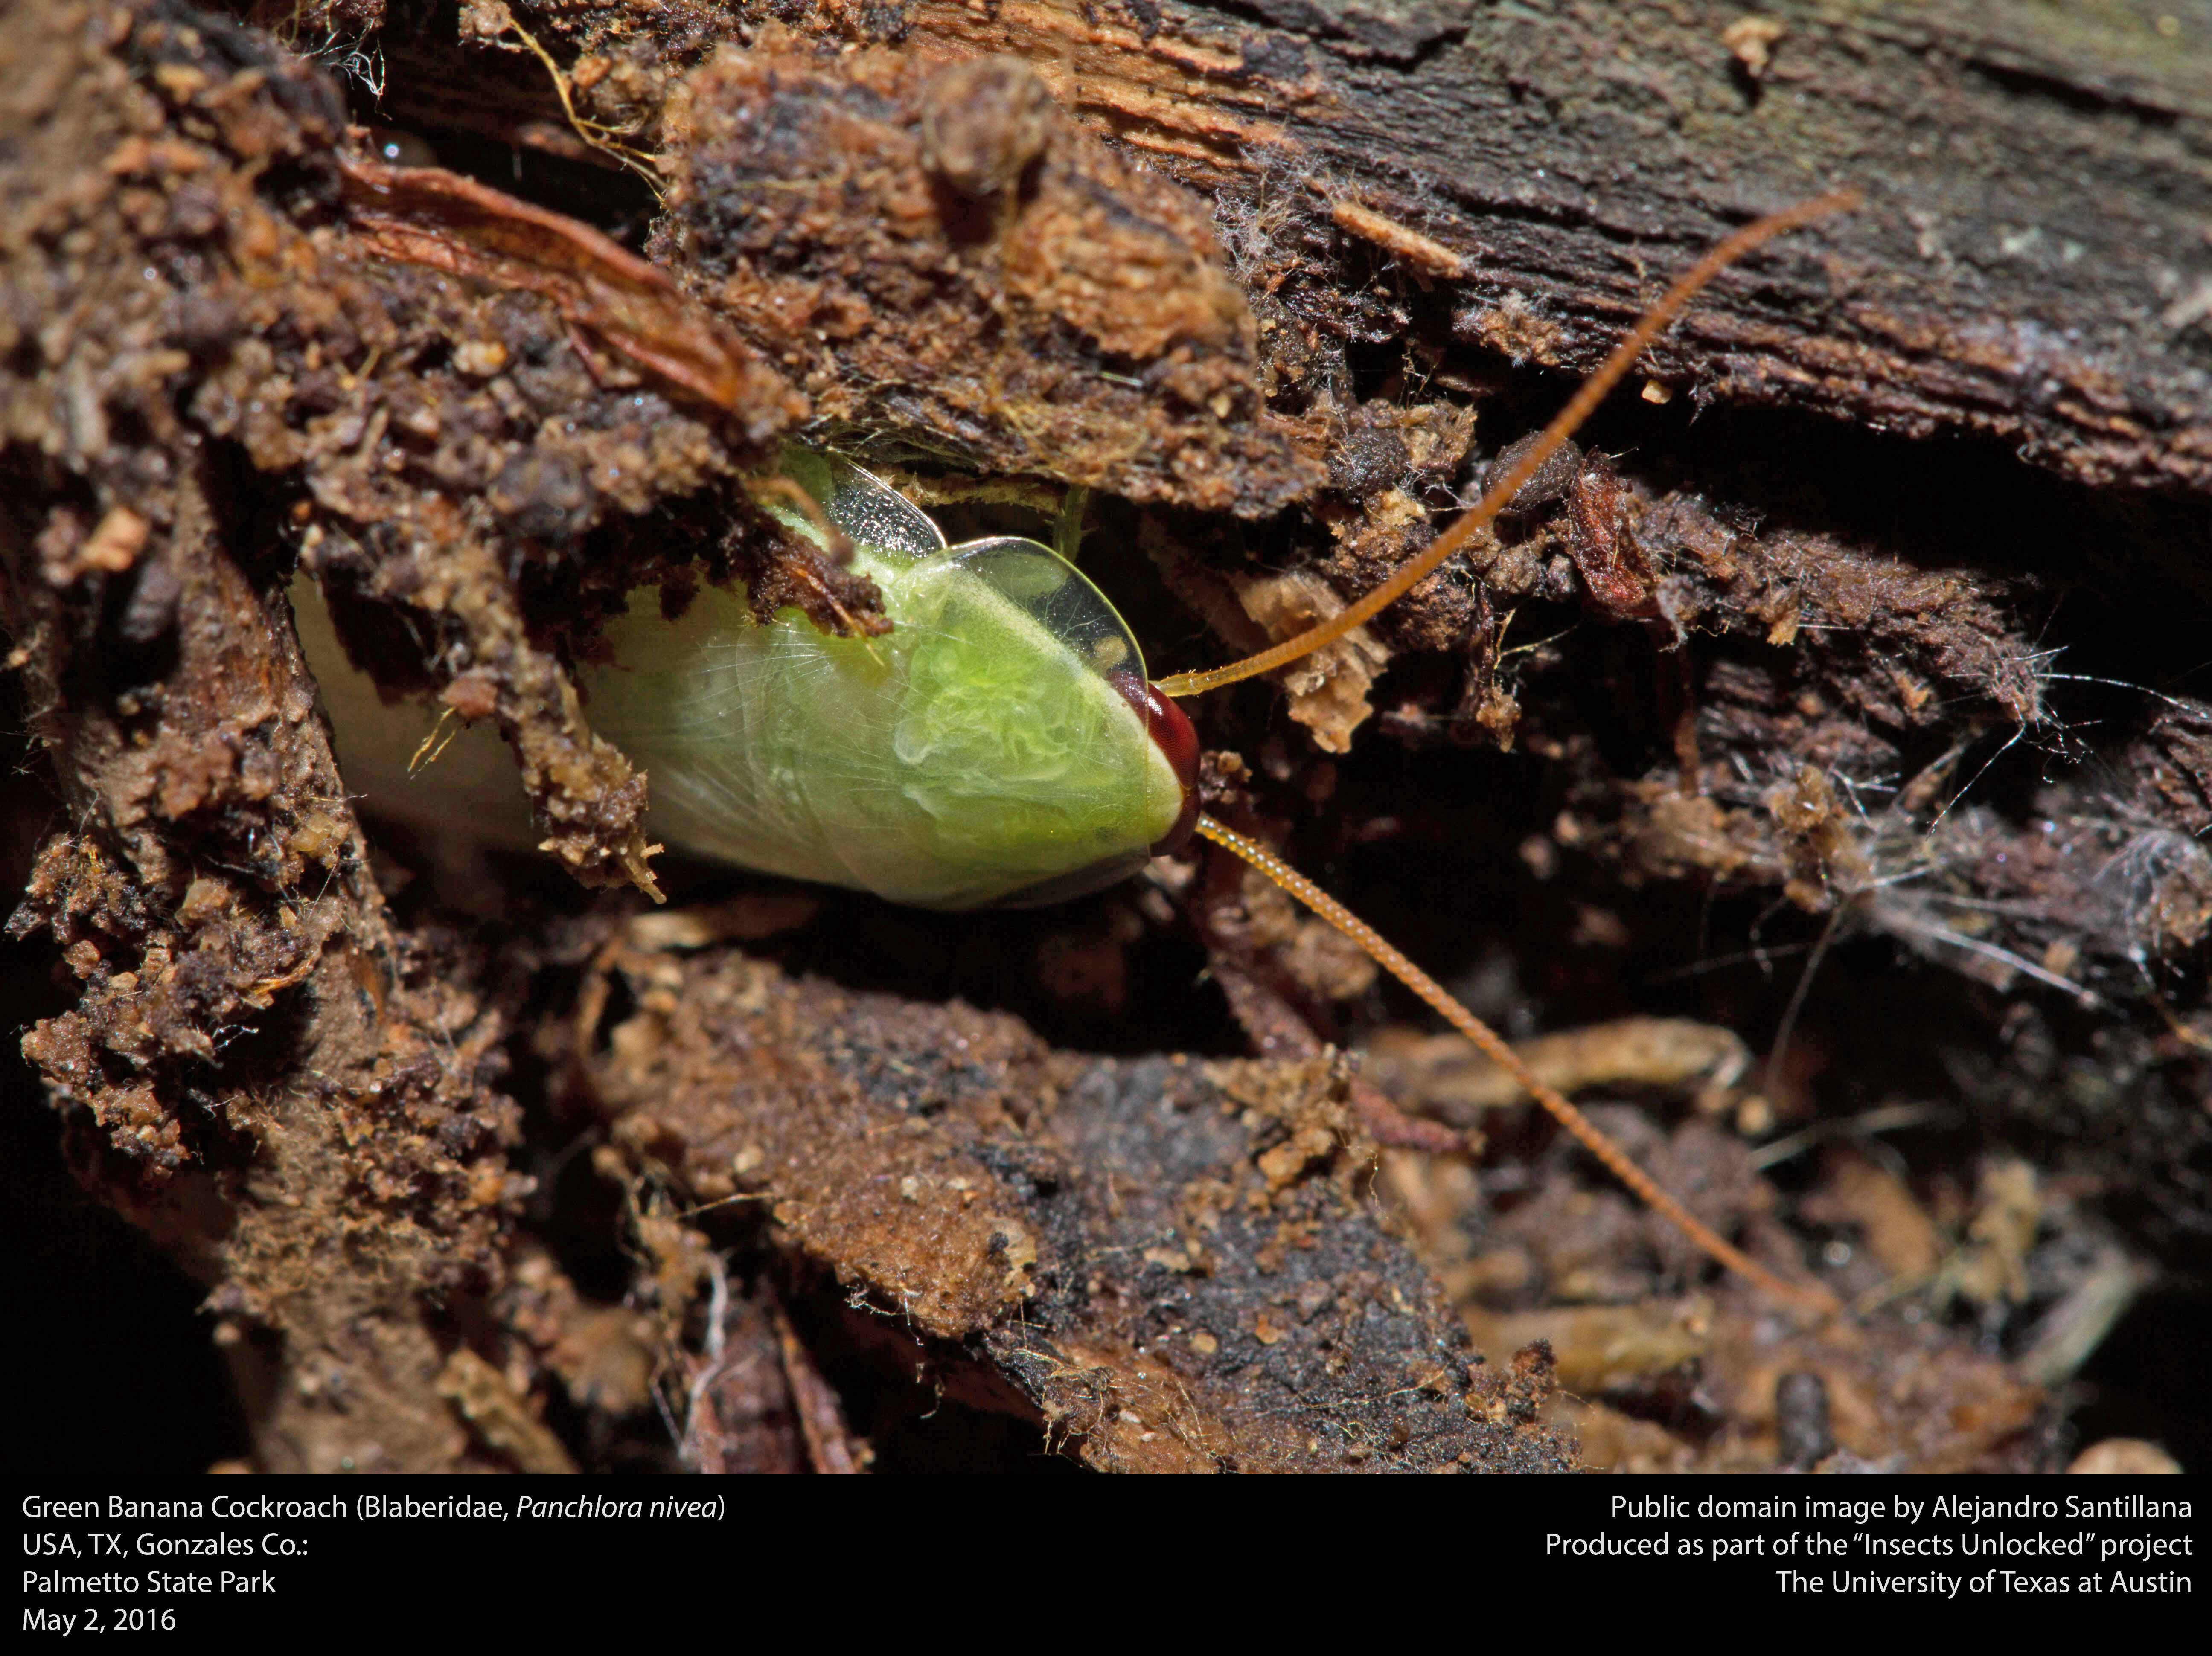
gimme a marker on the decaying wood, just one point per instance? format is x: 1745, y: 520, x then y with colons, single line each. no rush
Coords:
x: 1072, y: 318
x: 1168, y: 1264
x: 1277, y: 279
x: 262, y: 1070
x: 2031, y: 266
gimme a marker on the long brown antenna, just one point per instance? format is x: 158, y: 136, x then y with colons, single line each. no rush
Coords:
x: 1563, y: 426
x: 1387, y: 956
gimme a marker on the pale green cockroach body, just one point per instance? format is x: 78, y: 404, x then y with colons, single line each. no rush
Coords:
x: 988, y: 749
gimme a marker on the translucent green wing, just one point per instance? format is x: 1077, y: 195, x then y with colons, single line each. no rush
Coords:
x: 869, y: 511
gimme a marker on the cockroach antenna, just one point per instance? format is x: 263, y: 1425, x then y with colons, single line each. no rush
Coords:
x: 1586, y: 1131
x: 1563, y: 426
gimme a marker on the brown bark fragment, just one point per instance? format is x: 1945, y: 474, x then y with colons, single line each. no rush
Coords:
x: 423, y: 216
x: 1074, y: 320
x: 1173, y: 1266
x: 2027, y: 267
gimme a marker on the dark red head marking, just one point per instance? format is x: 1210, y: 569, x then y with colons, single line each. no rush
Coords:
x: 1171, y: 733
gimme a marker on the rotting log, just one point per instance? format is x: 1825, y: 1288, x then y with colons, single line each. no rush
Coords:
x: 1171, y: 1266
x: 260, y: 1068
x: 297, y: 1096
x: 1496, y: 186
x: 2031, y: 266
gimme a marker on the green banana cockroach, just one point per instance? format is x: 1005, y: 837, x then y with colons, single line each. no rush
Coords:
x: 1000, y: 745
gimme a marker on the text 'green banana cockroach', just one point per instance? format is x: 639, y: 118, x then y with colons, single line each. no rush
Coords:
x: 1000, y: 745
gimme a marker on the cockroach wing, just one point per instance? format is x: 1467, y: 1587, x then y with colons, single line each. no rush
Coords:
x: 987, y: 750
x: 991, y: 748
x: 870, y: 511
x: 470, y: 787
